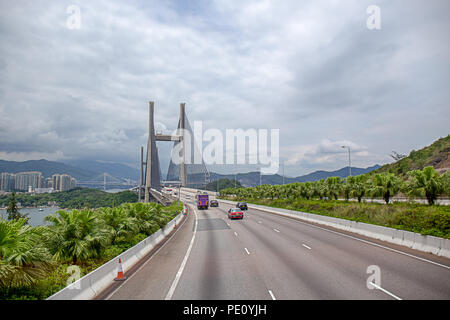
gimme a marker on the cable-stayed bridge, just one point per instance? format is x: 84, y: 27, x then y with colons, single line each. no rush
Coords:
x: 107, y: 180
x: 184, y: 168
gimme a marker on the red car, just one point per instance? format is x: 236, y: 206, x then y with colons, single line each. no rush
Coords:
x: 235, y: 213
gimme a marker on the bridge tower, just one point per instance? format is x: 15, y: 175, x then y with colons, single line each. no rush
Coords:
x: 188, y: 173
x: 152, y: 172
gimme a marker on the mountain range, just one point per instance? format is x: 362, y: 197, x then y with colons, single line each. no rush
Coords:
x: 252, y: 179
x: 82, y: 170
x: 437, y: 155
x: 85, y: 170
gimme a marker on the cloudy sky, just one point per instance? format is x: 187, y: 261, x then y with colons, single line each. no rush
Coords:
x: 312, y: 69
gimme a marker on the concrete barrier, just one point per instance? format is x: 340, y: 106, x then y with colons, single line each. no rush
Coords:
x: 434, y: 245
x: 96, y: 281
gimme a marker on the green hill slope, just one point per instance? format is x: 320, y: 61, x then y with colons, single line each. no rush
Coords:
x: 436, y: 155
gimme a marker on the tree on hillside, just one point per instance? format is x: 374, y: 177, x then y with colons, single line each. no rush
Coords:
x: 13, y: 210
x: 397, y: 156
x: 426, y: 182
x: 221, y: 184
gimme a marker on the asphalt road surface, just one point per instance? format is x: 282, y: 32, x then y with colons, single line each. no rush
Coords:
x: 266, y: 256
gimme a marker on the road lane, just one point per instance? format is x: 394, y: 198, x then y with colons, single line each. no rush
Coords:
x: 219, y: 267
x: 266, y: 256
x: 414, y: 278
x: 155, y: 276
x: 293, y: 272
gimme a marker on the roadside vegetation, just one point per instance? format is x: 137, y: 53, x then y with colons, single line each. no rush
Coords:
x: 73, y: 199
x: 222, y: 184
x: 321, y: 197
x: 34, y: 261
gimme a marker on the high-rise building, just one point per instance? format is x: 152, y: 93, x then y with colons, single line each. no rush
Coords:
x: 49, y: 183
x: 7, y: 181
x: 65, y: 183
x: 30, y: 181
x: 56, y: 182
x: 25, y: 180
x: 73, y: 183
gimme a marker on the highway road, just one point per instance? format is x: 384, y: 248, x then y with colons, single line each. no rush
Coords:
x: 266, y: 256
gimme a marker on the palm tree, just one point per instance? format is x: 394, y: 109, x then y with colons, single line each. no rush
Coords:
x: 119, y: 222
x: 347, y: 187
x: 385, y: 185
x: 426, y: 182
x: 446, y: 183
x: 77, y: 234
x: 359, y: 186
x: 144, y: 216
x: 307, y: 190
x: 23, y: 257
x: 320, y: 189
x: 334, y: 185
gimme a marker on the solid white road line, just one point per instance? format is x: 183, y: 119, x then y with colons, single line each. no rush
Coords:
x: 183, y: 264
x: 246, y: 250
x: 385, y: 291
x: 143, y: 265
x: 235, y: 233
x: 306, y: 246
x: 271, y: 294
x: 359, y: 239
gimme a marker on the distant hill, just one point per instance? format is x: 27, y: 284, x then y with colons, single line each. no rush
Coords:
x: 436, y: 155
x: 47, y: 168
x: 117, y: 170
x: 82, y: 170
x: 251, y: 179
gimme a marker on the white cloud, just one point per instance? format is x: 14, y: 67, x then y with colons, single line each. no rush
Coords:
x: 326, y: 151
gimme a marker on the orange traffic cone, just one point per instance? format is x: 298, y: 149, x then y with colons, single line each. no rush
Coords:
x: 120, y: 276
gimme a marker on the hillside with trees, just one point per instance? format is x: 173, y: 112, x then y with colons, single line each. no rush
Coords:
x: 74, y: 199
x: 435, y: 155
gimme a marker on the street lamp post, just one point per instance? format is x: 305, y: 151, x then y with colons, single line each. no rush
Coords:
x: 349, y: 160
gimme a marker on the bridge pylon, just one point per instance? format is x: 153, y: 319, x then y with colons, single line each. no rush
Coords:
x: 187, y: 174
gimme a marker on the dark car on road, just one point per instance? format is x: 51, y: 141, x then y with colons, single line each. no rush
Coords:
x: 214, y: 203
x: 242, y: 206
x: 235, y: 214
